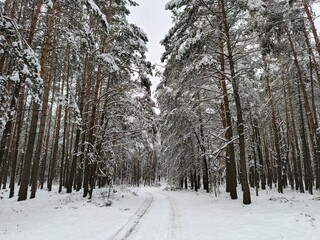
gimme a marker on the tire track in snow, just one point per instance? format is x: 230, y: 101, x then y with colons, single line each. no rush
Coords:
x: 126, y: 230
x: 174, y: 228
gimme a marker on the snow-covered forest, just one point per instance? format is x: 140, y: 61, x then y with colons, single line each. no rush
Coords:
x: 75, y: 97
x: 239, y: 97
x: 235, y: 116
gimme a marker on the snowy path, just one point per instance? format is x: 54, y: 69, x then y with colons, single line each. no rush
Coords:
x: 198, y: 216
x: 126, y: 230
x: 153, y: 214
x: 157, y: 218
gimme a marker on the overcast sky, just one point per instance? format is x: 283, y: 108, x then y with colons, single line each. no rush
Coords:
x: 151, y: 16
x: 316, y: 7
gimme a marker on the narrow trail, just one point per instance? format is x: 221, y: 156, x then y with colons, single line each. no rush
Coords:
x: 126, y: 230
x: 174, y: 231
x: 158, y: 218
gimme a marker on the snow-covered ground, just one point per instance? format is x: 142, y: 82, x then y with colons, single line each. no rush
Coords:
x: 152, y: 213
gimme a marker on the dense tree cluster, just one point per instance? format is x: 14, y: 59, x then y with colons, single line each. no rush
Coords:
x: 239, y: 96
x: 75, y: 96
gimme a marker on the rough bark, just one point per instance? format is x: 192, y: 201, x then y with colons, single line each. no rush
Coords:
x: 240, y: 124
x: 306, y: 151
x: 276, y: 135
x: 299, y: 182
x: 312, y: 25
x: 231, y: 170
x: 73, y: 167
x: 34, y: 21
x: 34, y: 119
x: 45, y: 101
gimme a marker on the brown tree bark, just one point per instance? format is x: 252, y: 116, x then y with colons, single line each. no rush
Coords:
x: 240, y: 124
x: 65, y: 131
x: 6, y: 6
x: 9, y: 126
x: 14, y: 8
x: 306, y: 151
x: 258, y: 146
x: 89, y: 166
x: 309, y: 115
x: 44, y: 158
x: 7, y: 132
x: 312, y: 25
x: 316, y: 139
x: 25, y: 140
x: 288, y: 144
x: 315, y: 64
x: 6, y: 163
x: 73, y: 167
x: 34, y: 21
x: 20, y: 117
x: 276, y: 133
x: 45, y: 100
x: 34, y: 120
x: 268, y: 163
x: 302, y: 87
x: 231, y: 170
x: 56, y: 139
x: 299, y: 182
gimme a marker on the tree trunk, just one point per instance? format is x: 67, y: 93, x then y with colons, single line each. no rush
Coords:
x: 6, y: 6
x: 315, y: 139
x: 55, y: 148
x: 299, y: 182
x: 65, y: 125
x: 314, y: 64
x: 306, y: 151
x: 34, y: 120
x: 309, y: 115
x: 240, y: 125
x: 276, y: 135
x: 5, y: 168
x: 72, y: 173
x: 91, y: 139
x: 23, y: 190
x: 45, y: 101
x: 25, y: 140
x: 46, y: 148
x: 312, y: 25
x: 74, y: 161
x: 260, y: 155
x: 7, y: 132
x: 231, y: 170
x: 268, y: 163
x: 205, y: 169
x: 289, y: 143
x: 14, y: 8
x: 34, y: 21
x: 20, y: 116
x: 56, y: 142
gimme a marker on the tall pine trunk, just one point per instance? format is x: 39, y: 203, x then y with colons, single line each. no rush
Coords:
x: 296, y: 147
x: 276, y: 134
x: 35, y: 116
x: 73, y: 168
x: 240, y: 124
x: 45, y: 102
x: 231, y: 170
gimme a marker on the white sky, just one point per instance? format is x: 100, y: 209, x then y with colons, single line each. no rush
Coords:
x: 151, y: 16
x: 316, y: 8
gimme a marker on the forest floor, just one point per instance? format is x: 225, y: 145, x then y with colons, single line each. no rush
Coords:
x: 156, y: 214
